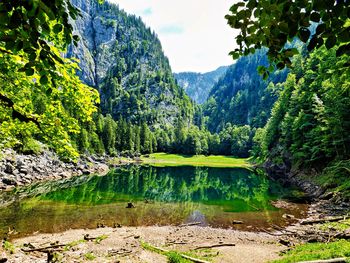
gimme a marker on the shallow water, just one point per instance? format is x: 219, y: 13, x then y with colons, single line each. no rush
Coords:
x: 161, y: 196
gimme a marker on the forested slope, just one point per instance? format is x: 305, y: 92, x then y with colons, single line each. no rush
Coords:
x: 241, y: 96
x: 310, y: 122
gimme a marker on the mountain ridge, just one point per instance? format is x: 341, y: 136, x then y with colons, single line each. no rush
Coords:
x: 198, y: 85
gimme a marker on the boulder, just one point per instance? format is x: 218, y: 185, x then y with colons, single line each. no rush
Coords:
x: 9, y: 181
x: 9, y: 168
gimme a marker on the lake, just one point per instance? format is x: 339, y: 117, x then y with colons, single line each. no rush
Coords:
x: 161, y: 196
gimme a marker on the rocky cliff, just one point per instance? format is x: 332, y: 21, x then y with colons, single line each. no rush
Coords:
x: 124, y: 60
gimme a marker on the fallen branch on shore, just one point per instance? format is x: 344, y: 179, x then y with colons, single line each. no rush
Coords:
x: 333, y: 260
x: 88, y: 238
x: 190, y: 224
x: 44, y: 249
x: 215, y: 245
x: 177, y: 243
x: 196, y: 260
x: 323, y: 220
x: 48, y: 250
x: 120, y: 252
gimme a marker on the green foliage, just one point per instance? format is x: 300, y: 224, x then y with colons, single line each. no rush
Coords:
x: 273, y: 24
x: 30, y: 27
x: 175, y: 257
x: 315, y: 251
x: 89, y: 256
x: 8, y: 246
x: 342, y: 225
x: 31, y: 146
x: 99, y: 239
x: 335, y: 178
x: 241, y: 96
x: 47, y: 113
x: 310, y: 121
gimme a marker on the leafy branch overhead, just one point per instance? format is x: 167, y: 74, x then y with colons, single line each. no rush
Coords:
x: 274, y: 23
x: 32, y: 27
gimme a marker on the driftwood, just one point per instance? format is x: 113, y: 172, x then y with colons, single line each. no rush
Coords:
x: 49, y: 250
x: 215, y: 245
x: 177, y: 243
x: 333, y: 260
x: 190, y: 224
x: 120, y: 252
x: 196, y: 260
x: 323, y: 220
x: 130, y: 205
x: 88, y: 238
x: 44, y: 249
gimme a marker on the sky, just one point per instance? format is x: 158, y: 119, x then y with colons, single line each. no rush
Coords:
x: 194, y: 33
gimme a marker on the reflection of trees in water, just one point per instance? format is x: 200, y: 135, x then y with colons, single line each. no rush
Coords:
x: 170, y: 184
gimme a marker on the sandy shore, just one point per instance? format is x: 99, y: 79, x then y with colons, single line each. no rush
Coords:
x: 124, y: 245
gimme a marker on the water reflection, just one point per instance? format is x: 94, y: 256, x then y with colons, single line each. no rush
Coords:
x: 162, y: 195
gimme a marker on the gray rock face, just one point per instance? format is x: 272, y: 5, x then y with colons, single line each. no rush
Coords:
x: 198, y: 85
x: 18, y: 170
x: 114, y: 45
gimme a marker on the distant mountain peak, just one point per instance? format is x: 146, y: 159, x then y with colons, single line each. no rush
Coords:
x: 198, y: 85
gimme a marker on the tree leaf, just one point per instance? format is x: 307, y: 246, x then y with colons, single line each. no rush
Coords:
x: 30, y: 72
x: 304, y: 34
x: 315, y: 17
x: 235, y: 55
x: 331, y: 41
x: 44, y: 80
x: 57, y: 28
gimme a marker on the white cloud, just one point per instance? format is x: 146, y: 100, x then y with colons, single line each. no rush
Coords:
x: 194, y: 33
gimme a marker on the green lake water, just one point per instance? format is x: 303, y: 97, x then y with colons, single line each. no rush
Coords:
x: 161, y: 196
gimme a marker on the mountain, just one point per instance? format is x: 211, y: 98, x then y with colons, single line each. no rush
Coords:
x: 241, y: 96
x: 124, y: 60
x: 198, y: 85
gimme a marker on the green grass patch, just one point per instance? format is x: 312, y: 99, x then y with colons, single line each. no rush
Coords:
x: 100, y: 238
x: 164, y: 159
x: 73, y: 244
x: 89, y: 256
x: 335, y: 178
x: 9, y: 247
x: 317, y: 251
x: 340, y: 225
x: 175, y: 256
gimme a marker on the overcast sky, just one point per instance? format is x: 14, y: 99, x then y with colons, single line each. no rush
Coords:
x: 194, y: 33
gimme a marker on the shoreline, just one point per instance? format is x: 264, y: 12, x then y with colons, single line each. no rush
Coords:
x: 127, y: 244
x: 17, y: 170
